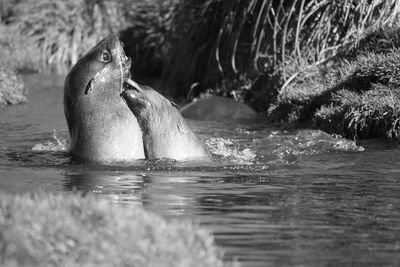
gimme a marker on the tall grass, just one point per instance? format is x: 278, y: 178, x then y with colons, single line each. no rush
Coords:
x: 17, y: 52
x: 146, y: 38
x: 64, y: 30
x: 6, y: 8
x: 218, y: 39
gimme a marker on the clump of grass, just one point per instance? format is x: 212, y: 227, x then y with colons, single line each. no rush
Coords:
x: 375, y: 113
x: 61, y: 32
x: 379, y: 40
x: 355, y: 97
x: 368, y: 69
x: 47, y: 229
x: 358, y: 75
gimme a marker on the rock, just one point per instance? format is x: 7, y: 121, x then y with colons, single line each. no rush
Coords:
x: 12, y: 89
x: 216, y: 108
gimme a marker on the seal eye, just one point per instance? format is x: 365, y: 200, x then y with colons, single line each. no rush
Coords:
x: 106, y: 57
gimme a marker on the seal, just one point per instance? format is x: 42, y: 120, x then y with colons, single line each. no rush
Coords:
x: 165, y: 132
x: 101, y: 127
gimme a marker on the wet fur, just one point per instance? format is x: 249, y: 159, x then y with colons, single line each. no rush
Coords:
x: 102, y: 128
x: 165, y: 132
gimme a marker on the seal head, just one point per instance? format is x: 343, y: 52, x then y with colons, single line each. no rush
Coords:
x: 165, y: 132
x: 101, y: 126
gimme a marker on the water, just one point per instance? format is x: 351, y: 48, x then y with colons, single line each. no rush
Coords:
x: 271, y: 197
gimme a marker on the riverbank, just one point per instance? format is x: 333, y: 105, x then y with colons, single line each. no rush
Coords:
x: 355, y: 95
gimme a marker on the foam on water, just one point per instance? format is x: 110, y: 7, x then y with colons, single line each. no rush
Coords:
x: 230, y: 150
x: 309, y: 142
x: 58, y: 143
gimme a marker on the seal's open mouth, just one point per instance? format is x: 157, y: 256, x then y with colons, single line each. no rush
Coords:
x: 130, y: 84
x: 125, y: 69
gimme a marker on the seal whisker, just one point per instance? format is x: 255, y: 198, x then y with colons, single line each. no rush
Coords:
x: 122, y: 74
x: 132, y: 84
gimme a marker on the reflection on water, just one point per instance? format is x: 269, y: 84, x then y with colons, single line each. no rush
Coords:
x: 271, y: 197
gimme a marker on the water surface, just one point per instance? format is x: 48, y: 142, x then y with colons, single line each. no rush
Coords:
x: 271, y: 197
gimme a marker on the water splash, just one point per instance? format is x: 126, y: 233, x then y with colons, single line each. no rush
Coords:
x: 230, y: 150
x: 57, y: 144
x: 309, y: 142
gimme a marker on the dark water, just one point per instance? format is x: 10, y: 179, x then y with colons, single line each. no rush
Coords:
x: 271, y: 198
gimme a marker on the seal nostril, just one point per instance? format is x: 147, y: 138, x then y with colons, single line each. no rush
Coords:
x: 88, y: 86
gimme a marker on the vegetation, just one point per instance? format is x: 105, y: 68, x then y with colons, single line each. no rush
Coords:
x: 224, y: 40
x: 297, y: 61
x: 47, y: 229
x: 357, y: 97
x: 62, y: 31
x: 17, y: 52
x: 374, y: 113
x: 147, y: 38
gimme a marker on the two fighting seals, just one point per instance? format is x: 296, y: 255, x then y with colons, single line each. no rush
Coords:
x: 104, y: 127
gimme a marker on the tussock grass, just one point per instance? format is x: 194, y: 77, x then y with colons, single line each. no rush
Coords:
x: 17, y: 52
x: 218, y: 40
x: 368, y: 69
x: 375, y: 113
x: 357, y: 97
x: 362, y: 97
x: 379, y: 40
x: 62, y: 31
x: 47, y: 229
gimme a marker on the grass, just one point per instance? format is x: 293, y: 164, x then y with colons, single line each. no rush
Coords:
x: 147, y: 36
x: 356, y: 96
x: 219, y: 40
x: 375, y: 113
x: 17, y: 52
x: 58, y: 33
x: 61, y: 31
x: 55, y: 229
